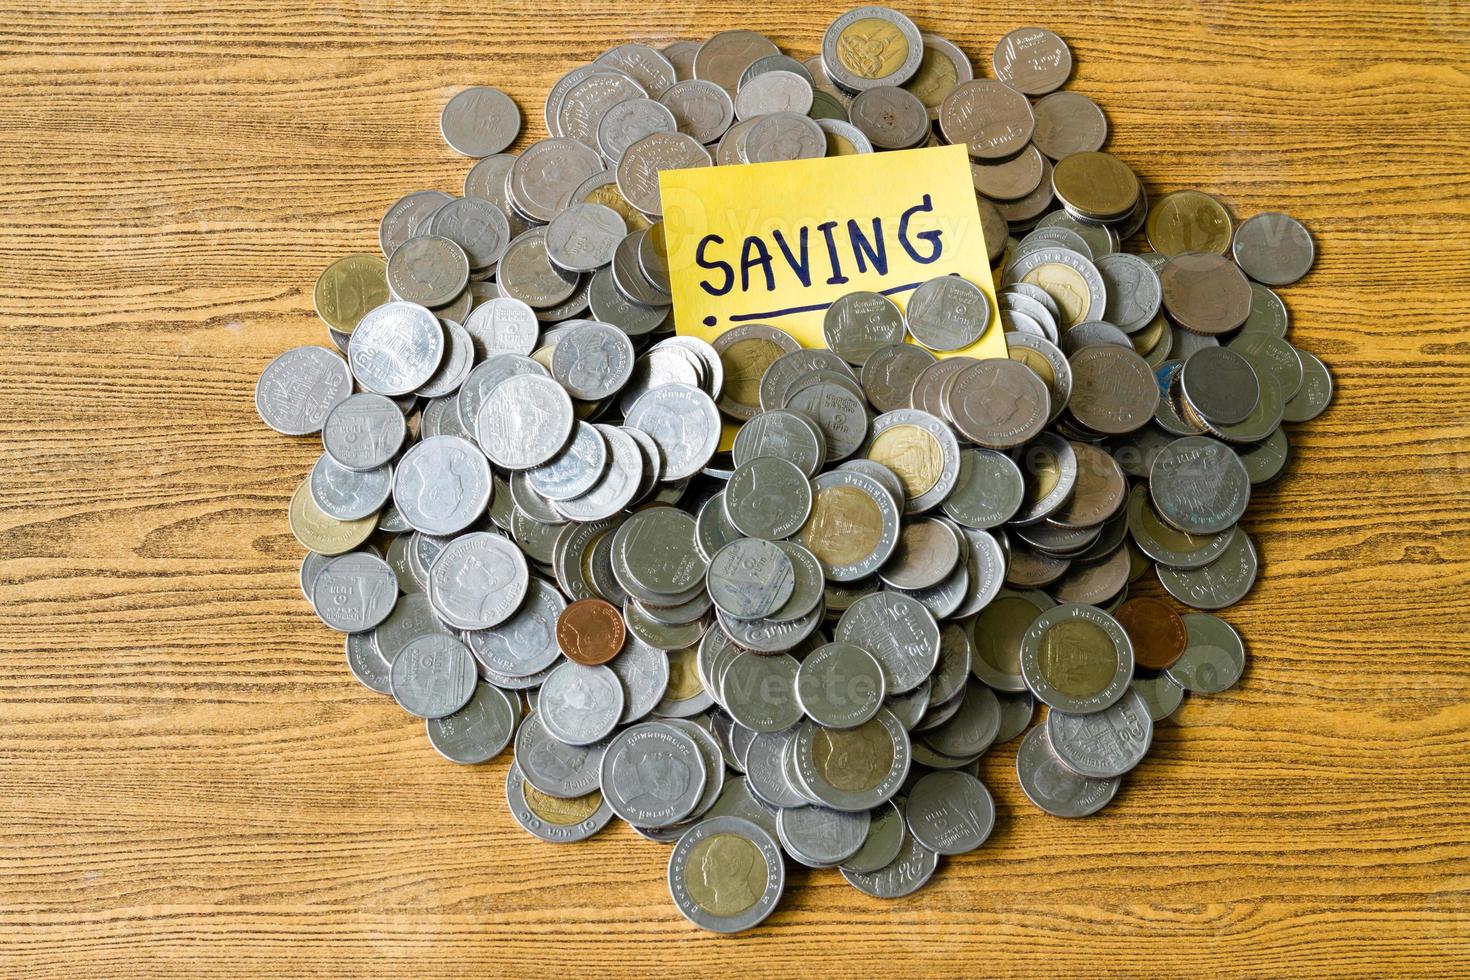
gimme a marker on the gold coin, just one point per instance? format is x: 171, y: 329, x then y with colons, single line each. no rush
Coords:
x: 1188, y: 221
x: 845, y: 526
x: 998, y: 631
x: 872, y: 48
x: 725, y: 874
x: 1065, y: 285
x: 609, y: 195
x: 1097, y: 184
x: 683, y: 675
x: 936, y: 78
x: 320, y: 533
x: 562, y: 813
x: 348, y: 288
x: 1044, y: 471
x: 745, y: 363
x: 1148, y: 338
x: 840, y: 146
x: 1036, y: 361
x: 542, y: 355
x: 853, y: 759
x: 913, y: 454
x: 1077, y: 658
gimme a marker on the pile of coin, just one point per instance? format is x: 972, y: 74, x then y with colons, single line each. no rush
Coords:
x: 801, y: 648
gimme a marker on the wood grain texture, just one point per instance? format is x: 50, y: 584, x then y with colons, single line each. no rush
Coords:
x: 192, y: 785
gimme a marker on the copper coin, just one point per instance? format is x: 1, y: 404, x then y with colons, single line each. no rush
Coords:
x: 590, y: 632
x: 1158, y: 634
x: 1205, y: 293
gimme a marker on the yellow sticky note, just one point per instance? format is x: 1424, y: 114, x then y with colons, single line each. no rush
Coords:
x: 777, y: 243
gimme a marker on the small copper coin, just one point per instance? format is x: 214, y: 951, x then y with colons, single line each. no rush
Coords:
x: 590, y: 632
x: 1158, y: 633
x: 1205, y: 293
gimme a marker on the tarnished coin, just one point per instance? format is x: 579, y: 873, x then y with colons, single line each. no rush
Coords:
x: 1274, y: 248
x: 550, y: 818
x: 348, y: 288
x: 819, y: 837
x: 1114, y: 391
x: 1156, y: 631
x: 746, y: 351
x: 1214, y: 658
x: 1053, y: 787
x: 759, y: 691
x: 354, y: 592
x: 888, y: 375
x: 1032, y: 60
x: 1076, y: 658
x: 1220, y: 384
x: 869, y: 47
x: 429, y: 270
x: 1095, y: 185
x: 890, y: 117
x: 1315, y: 392
x: 432, y: 676
x: 928, y: 551
x: 950, y: 812
x: 1205, y: 293
x: 590, y: 631
x: 441, y: 485
x: 652, y: 774
x: 998, y: 403
x: 1198, y: 485
x: 580, y: 704
x: 943, y: 67
x: 478, y: 581
x: 1106, y: 743
x: 767, y: 497
x: 1009, y: 180
x: 479, y: 731
x: 298, y: 390
x: 988, y: 491
x: 726, y: 874
x: 992, y: 119
x: 480, y: 122
x: 858, y: 324
x: 840, y: 685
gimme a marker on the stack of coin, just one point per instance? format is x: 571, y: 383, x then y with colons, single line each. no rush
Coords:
x: 801, y: 648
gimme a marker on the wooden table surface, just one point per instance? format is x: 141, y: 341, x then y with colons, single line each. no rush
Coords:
x: 191, y: 784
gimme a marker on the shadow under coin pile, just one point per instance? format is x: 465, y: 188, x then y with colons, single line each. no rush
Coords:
x: 802, y: 648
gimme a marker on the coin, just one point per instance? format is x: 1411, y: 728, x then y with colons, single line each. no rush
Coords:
x: 840, y: 685
x: 853, y: 527
x: 298, y: 390
x: 652, y: 774
x: 869, y: 47
x: 1068, y: 278
x: 928, y: 550
x: 1223, y: 582
x: 477, y: 732
x: 1053, y: 787
x: 750, y: 578
x: 432, y: 676
x: 684, y: 422
x: 1009, y: 180
x: 726, y: 874
x: 1315, y: 392
x: 1133, y: 289
x: 857, y: 325
x: 1166, y: 544
x: 590, y: 631
x: 555, y: 768
x: 746, y: 352
x: 856, y: 768
x: 441, y: 485
x: 396, y: 348
x: 1215, y: 657
x: 1188, y: 221
x: 480, y: 122
x: 1103, y: 744
x: 1033, y: 60
x: 550, y: 818
x: 768, y: 498
x: 888, y: 374
x: 1068, y: 123
x: 347, y: 495
x: 1157, y: 632
x: 1095, y: 185
x: 348, y: 288
x: 1274, y: 248
x: 820, y: 837
x: 899, y: 633
x: 948, y: 313
x: 580, y: 704
x: 950, y: 812
x: 354, y: 592
x: 1205, y: 293
x: 478, y: 581
x: 322, y: 534
x: 942, y: 67
x: 904, y: 875
x: 992, y: 119
x: 1198, y: 485
x: 1076, y: 658
x: 891, y: 118
x: 760, y: 691
x: 998, y: 404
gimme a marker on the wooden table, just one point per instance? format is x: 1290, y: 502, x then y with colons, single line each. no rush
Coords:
x: 190, y: 782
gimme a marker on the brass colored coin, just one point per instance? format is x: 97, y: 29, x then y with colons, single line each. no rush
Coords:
x: 590, y: 632
x: 845, y: 526
x: 872, y: 48
x: 1077, y: 658
x: 913, y: 454
x: 319, y: 533
x: 1205, y: 293
x: 560, y: 812
x: 997, y: 633
x: 745, y: 353
x: 853, y: 759
x: 1096, y: 185
x: 348, y: 288
x: 684, y: 680
x: 1011, y: 180
x: 1067, y: 287
x: 610, y: 196
x: 1157, y: 631
x: 1188, y: 221
x: 1099, y: 492
x: 943, y: 67
x: 725, y: 874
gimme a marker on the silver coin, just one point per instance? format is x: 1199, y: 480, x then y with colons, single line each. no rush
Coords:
x: 652, y: 774
x: 1105, y: 743
x: 354, y: 592
x: 479, y: 122
x: 628, y: 122
x: 547, y: 172
x: 700, y: 728
x: 432, y: 676
x: 986, y: 564
x: 592, y: 360
x: 1273, y: 248
x: 840, y: 685
x: 768, y: 498
x: 1163, y: 695
x: 428, y: 270
x: 841, y: 497
x: 701, y: 109
x: 477, y: 226
x: 950, y: 812
x: 484, y: 378
x: 502, y: 324
x: 646, y: 66
x: 847, y: 43
x: 524, y: 644
x: 1268, y: 312
x: 807, y: 592
x: 768, y: 635
x: 781, y: 434
x: 1033, y: 60
x: 584, y: 237
x: 784, y: 136
x: 1055, y: 662
x: 1053, y: 787
x: 820, y: 837
x: 1198, y: 485
x: 459, y: 356
x: 726, y: 874
x: 412, y: 617
x: 928, y: 551
x: 554, y: 824
x: 1016, y: 711
x: 644, y: 673
x: 403, y: 216
x: 1165, y: 545
x: 948, y: 313
x: 366, y: 665
x: 553, y: 767
x: 576, y: 469
x: 611, y: 306
x: 839, y: 412
x: 1314, y: 394
x: 580, y: 705
x: 888, y: 375
x: 524, y: 421
x: 618, y: 486
x: 1275, y: 356
x: 349, y: 495
x: 884, y: 841
x: 478, y: 581
x: 765, y: 769
x: 527, y: 273
x: 441, y: 485
x: 892, y: 118
x: 311, y: 567
x: 639, y: 169
x: 972, y: 728
x: 858, y: 324
x: 904, y: 875
x: 773, y: 91
x: 759, y: 691
x: 477, y: 732
x: 396, y: 348
x: 684, y: 422
x: 988, y: 489
x: 298, y: 390
x: 1214, y: 658
x: 750, y: 578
